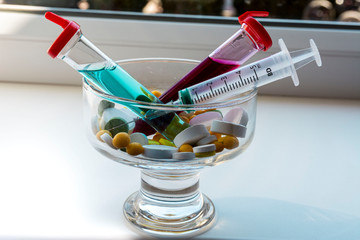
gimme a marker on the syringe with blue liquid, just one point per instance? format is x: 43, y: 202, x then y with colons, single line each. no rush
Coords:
x: 275, y: 67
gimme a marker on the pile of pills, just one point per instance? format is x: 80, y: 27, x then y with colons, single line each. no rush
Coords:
x: 209, y: 133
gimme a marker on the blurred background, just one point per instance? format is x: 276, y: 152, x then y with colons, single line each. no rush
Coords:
x: 328, y: 10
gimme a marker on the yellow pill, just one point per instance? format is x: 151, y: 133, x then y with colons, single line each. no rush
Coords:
x: 121, y: 140
x: 219, y: 146
x: 205, y: 154
x: 157, y: 137
x: 153, y: 142
x: 230, y: 142
x: 186, y: 148
x: 101, y: 132
x: 218, y: 135
x: 166, y: 142
x: 156, y: 93
x: 134, y: 148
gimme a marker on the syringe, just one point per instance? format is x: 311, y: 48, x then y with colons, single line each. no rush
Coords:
x: 277, y: 66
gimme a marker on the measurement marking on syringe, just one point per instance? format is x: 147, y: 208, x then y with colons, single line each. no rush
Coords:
x: 212, y: 91
x: 256, y: 75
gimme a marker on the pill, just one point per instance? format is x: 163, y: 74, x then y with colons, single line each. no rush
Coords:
x: 207, y: 140
x: 183, y: 155
x: 230, y: 142
x: 236, y: 115
x: 157, y: 136
x: 153, y: 142
x: 121, y: 140
x: 219, y: 146
x: 186, y: 148
x: 166, y: 142
x: 139, y: 138
x: 100, y: 133
x: 159, y: 151
x: 228, y: 128
x: 205, y: 150
x: 205, y: 118
x: 117, y: 120
x: 107, y: 139
x: 104, y: 104
x: 156, y: 93
x: 205, y: 154
x: 134, y: 148
x: 191, y: 135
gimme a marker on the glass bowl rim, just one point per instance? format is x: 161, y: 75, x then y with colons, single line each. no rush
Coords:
x: 169, y: 106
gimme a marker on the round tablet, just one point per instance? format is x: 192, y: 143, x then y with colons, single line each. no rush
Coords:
x: 206, y: 118
x: 191, y: 135
x: 159, y: 151
x: 228, y: 128
x: 183, y: 155
x: 139, y: 138
x: 207, y: 140
x: 205, y: 148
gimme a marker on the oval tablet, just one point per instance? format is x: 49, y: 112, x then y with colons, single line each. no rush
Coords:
x: 191, y: 135
x: 159, y: 151
x: 206, y: 118
x: 228, y: 128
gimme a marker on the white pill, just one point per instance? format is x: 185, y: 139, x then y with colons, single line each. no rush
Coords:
x: 159, y: 151
x: 206, y: 140
x: 228, y: 128
x: 107, y: 139
x: 236, y: 115
x: 206, y: 118
x: 191, y: 135
x: 183, y: 155
x: 139, y: 138
x: 204, y: 148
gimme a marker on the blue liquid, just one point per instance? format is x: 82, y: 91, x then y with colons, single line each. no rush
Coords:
x: 118, y: 82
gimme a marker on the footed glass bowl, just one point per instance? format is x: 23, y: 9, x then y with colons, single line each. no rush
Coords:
x: 169, y: 202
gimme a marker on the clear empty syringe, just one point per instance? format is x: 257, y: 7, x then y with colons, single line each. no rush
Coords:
x: 277, y: 66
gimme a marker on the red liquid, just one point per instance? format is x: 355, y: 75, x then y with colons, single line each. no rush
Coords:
x: 205, y: 70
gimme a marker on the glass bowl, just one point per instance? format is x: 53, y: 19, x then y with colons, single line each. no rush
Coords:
x: 169, y: 202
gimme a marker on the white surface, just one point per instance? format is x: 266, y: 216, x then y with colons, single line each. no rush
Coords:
x: 299, y: 179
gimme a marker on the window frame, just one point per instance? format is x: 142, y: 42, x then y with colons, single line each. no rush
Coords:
x: 27, y: 36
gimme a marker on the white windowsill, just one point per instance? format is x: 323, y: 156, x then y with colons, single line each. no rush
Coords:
x: 299, y: 179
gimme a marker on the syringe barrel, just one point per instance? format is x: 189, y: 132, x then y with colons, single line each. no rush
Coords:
x: 237, y: 81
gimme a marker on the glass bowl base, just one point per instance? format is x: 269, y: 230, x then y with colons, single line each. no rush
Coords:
x: 170, y: 219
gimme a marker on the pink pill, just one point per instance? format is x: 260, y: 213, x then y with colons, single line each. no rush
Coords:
x: 206, y: 118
